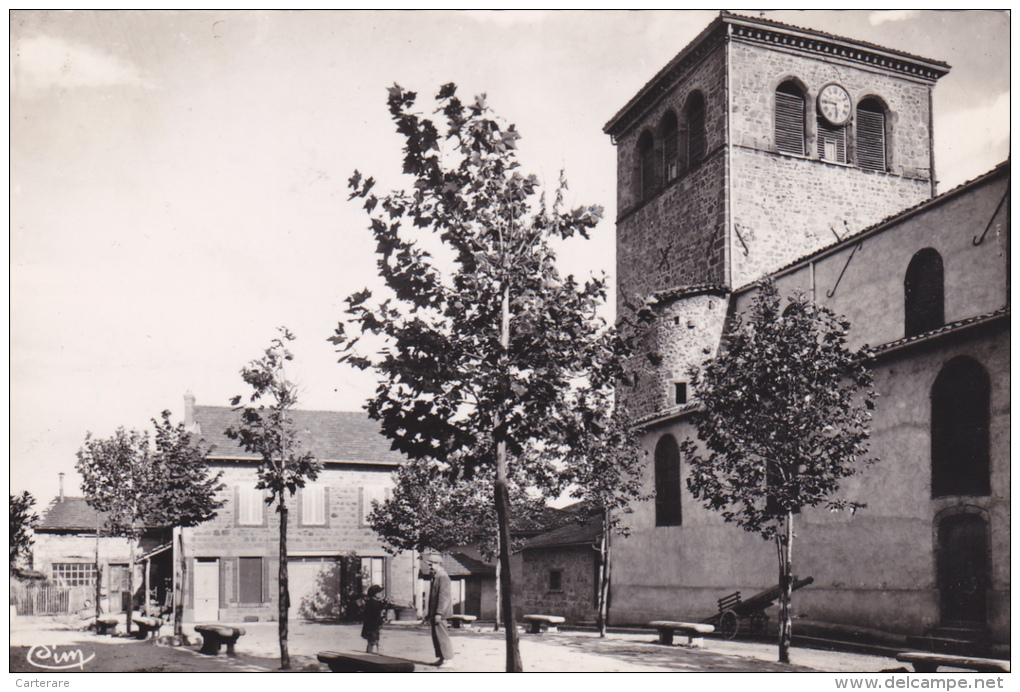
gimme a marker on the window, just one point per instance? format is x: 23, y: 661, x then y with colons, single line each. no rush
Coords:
x: 923, y: 303
x: 667, y: 482
x: 73, y: 573
x: 373, y: 571
x: 370, y: 494
x: 313, y: 505
x: 249, y: 506
x: 680, y: 392
x: 670, y: 133
x: 790, y: 119
x: 960, y: 401
x: 831, y: 141
x: 646, y: 165
x: 694, y: 114
x: 556, y: 580
x: 870, y: 123
x: 249, y: 579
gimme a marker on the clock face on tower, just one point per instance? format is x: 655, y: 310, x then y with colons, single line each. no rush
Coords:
x: 834, y: 104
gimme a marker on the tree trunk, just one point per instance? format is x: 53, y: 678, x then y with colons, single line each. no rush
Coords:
x: 602, y: 618
x: 502, y: 491
x: 498, y: 592
x: 182, y: 571
x: 148, y: 581
x: 130, y: 585
x: 99, y: 578
x: 284, y: 591
x: 785, y: 540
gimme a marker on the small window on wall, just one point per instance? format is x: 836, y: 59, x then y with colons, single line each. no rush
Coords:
x: 790, y: 119
x: 870, y: 124
x: 250, y: 506
x: 669, y: 130
x: 556, y: 580
x: 680, y: 393
x: 646, y: 165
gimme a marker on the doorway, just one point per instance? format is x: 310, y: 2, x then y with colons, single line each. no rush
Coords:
x: 963, y: 569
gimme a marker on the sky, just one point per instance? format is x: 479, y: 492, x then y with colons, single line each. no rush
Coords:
x: 178, y: 179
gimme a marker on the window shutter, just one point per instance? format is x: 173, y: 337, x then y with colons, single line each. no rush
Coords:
x: 871, y: 140
x: 313, y: 505
x: 831, y: 142
x: 790, y: 123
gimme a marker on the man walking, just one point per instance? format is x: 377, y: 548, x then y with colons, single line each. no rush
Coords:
x: 440, y: 608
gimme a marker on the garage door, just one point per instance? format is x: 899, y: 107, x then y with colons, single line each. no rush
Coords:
x: 314, y: 587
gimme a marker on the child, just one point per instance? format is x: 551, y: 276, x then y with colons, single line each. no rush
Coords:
x: 375, y: 615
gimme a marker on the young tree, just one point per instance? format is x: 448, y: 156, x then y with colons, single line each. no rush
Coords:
x: 603, y: 467
x: 267, y: 430
x: 115, y: 474
x: 481, y: 352
x: 784, y: 419
x: 181, y: 493
x: 23, y: 521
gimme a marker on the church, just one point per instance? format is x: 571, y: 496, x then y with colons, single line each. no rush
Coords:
x: 768, y: 149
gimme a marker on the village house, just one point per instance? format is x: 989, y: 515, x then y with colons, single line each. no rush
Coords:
x: 764, y: 148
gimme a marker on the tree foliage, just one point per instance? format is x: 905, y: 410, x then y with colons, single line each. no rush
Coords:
x: 784, y: 417
x: 23, y: 521
x: 485, y: 356
x: 266, y: 428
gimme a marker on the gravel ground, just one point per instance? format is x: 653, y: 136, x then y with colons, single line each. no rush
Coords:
x: 476, y: 651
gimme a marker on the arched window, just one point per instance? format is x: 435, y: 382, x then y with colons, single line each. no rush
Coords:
x: 923, y: 302
x: 670, y: 133
x: 960, y: 415
x: 790, y: 119
x: 646, y: 164
x: 870, y: 123
x: 667, y: 482
x: 694, y: 116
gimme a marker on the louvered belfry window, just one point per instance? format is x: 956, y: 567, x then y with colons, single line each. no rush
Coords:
x: 789, y: 119
x: 831, y: 141
x: 870, y: 136
x: 696, y: 139
x: 646, y: 165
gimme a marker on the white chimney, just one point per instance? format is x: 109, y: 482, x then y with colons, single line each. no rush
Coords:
x: 61, y: 477
x: 189, y: 412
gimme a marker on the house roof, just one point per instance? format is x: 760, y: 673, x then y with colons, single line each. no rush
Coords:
x: 69, y: 514
x: 584, y: 532
x: 460, y: 565
x: 784, y: 37
x: 548, y: 518
x: 331, y: 436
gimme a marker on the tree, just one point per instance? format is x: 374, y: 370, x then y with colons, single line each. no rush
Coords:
x: 23, y: 521
x: 115, y: 473
x: 604, y: 471
x: 784, y: 418
x: 483, y: 352
x: 267, y: 430
x: 181, y: 493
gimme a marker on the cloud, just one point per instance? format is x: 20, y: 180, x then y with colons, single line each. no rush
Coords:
x: 876, y: 18
x: 43, y: 62
x: 970, y: 141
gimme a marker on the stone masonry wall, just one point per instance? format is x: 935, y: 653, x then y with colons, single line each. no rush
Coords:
x: 575, y: 601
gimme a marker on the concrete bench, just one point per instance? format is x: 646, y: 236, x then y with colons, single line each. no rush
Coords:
x: 542, y: 623
x: 691, y: 630
x: 213, y: 636
x: 364, y: 663
x: 146, y: 626
x: 457, y: 621
x: 925, y: 662
x: 104, y: 625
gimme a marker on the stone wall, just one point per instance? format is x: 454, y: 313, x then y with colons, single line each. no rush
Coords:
x: 575, y: 601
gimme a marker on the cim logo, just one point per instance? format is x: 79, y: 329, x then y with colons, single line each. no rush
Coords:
x: 54, y: 659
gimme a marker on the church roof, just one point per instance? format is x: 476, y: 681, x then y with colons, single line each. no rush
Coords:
x: 771, y: 33
x: 331, y: 436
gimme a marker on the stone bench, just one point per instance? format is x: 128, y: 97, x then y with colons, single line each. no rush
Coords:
x: 458, y: 621
x: 105, y: 624
x: 542, y: 623
x: 364, y: 663
x: 146, y: 626
x: 213, y: 636
x: 925, y: 662
x: 692, y: 630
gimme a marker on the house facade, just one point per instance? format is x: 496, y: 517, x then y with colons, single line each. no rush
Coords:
x: 762, y: 149
x: 333, y: 555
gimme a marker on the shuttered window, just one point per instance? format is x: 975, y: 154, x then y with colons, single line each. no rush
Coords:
x: 313, y: 505
x: 249, y: 506
x: 696, y: 139
x: 870, y: 136
x: 789, y: 121
x: 831, y: 141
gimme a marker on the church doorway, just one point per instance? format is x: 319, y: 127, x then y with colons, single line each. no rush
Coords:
x: 963, y: 568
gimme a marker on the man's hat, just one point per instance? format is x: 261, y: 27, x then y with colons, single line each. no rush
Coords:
x: 434, y: 558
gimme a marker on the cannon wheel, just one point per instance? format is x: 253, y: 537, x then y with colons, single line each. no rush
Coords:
x: 759, y: 621
x: 729, y: 624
